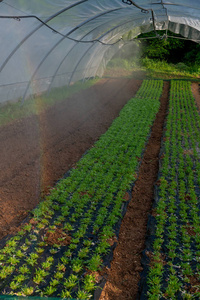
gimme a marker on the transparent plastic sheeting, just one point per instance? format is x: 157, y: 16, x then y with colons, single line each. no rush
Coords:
x: 47, y: 43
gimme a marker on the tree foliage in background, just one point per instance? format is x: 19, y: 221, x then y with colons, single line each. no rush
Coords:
x: 193, y: 54
x: 158, y: 53
x: 172, y: 50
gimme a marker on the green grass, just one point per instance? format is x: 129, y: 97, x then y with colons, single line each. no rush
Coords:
x: 162, y: 69
x: 35, y: 105
x: 127, y: 64
x: 152, y: 69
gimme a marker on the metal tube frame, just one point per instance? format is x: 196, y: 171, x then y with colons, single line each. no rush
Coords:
x: 72, y: 49
x: 37, y: 28
x: 50, y: 51
x: 93, y: 45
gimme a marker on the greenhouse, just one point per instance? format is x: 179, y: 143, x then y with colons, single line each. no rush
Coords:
x: 100, y: 149
x: 49, y: 44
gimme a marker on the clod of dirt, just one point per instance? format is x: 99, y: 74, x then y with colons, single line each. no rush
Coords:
x: 57, y: 237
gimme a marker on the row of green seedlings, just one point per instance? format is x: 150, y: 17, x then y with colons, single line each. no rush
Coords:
x: 72, y: 232
x: 174, y: 271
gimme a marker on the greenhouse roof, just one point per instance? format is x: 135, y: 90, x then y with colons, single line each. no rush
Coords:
x: 46, y: 43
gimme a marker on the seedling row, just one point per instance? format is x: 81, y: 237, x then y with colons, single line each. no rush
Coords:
x: 71, y: 234
x: 173, y: 257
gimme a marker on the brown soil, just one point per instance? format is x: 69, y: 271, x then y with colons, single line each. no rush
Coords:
x: 57, y: 237
x: 124, y: 274
x: 119, y: 72
x: 196, y: 93
x: 37, y: 151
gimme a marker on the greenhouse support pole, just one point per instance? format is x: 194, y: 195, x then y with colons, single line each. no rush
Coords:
x: 81, y: 40
x: 60, y: 41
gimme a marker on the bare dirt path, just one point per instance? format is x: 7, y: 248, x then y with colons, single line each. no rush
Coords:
x: 124, y: 275
x: 37, y: 151
x: 196, y: 93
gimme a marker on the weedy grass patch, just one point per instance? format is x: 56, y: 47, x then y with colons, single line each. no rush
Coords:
x: 71, y: 234
x: 162, y: 69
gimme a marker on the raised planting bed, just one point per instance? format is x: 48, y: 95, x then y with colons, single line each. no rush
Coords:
x: 70, y: 237
x: 172, y: 256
